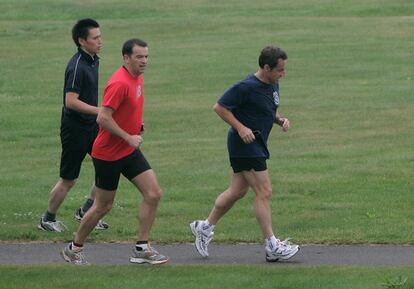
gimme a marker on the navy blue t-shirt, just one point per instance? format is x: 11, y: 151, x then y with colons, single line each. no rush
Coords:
x: 254, y: 103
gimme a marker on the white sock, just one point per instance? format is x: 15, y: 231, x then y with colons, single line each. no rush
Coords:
x: 271, y: 242
x: 207, y: 226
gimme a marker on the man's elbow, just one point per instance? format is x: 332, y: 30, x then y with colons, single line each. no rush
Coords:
x: 71, y: 99
x: 69, y: 103
x: 216, y: 107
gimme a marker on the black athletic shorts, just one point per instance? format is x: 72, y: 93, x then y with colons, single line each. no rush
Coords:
x: 248, y: 164
x: 77, y: 140
x: 107, y: 173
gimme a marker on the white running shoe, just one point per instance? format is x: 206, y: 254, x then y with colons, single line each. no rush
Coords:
x: 283, y: 251
x: 77, y: 258
x: 55, y: 226
x: 202, y: 237
x: 150, y: 256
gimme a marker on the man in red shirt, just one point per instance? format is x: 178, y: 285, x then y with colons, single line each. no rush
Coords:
x: 116, y: 151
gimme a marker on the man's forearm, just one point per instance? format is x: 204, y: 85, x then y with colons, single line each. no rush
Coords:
x: 72, y: 101
x: 109, y: 124
x: 227, y: 116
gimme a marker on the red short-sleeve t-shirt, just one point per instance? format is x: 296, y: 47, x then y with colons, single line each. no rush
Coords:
x: 125, y: 95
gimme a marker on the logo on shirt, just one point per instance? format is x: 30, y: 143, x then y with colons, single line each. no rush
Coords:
x: 276, y: 97
x: 139, y: 91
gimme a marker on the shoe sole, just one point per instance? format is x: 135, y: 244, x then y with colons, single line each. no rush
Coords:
x: 193, y: 230
x: 271, y: 260
x: 284, y: 258
x: 146, y: 261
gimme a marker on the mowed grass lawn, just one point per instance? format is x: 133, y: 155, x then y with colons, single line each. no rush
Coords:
x: 203, y: 277
x: 343, y: 174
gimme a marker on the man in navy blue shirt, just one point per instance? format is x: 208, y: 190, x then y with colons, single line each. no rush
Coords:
x: 250, y: 108
x: 78, y: 128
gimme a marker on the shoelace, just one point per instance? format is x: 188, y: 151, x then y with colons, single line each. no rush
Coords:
x: 205, y: 238
x: 209, y: 238
x: 286, y: 243
x: 79, y: 255
x: 60, y: 225
x: 154, y: 253
x: 152, y: 250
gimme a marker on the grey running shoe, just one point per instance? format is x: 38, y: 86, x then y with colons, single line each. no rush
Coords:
x: 102, y: 225
x: 283, y: 251
x: 150, y: 256
x: 202, y: 238
x: 77, y: 258
x: 55, y: 226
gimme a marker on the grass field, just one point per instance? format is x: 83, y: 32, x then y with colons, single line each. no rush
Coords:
x: 343, y: 174
x: 189, y: 277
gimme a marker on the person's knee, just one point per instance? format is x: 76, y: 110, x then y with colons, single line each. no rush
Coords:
x: 67, y: 184
x: 265, y: 192
x: 101, y: 209
x: 154, y: 195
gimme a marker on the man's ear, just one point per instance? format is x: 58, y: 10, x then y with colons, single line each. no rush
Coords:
x: 81, y: 41
x: 125, y: 58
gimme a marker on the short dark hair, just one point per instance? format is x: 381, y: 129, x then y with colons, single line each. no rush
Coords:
x: 270, y: 55
x: 129, y: 45
x: 81, y: 29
